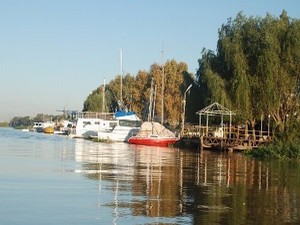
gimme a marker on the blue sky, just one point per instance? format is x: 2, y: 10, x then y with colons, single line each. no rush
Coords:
x: 54, y: 53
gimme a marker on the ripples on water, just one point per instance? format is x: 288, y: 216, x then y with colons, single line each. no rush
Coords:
x: 49, y: 179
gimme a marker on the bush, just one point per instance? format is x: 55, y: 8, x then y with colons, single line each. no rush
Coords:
x: 277, y: 150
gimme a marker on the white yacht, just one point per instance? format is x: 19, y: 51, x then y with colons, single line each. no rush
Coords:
x: 117, y: 126
x: 121, y: 128
x: 88, y: 123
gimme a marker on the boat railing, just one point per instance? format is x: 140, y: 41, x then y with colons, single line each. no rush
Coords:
x: 226, y: 132
x: 97, y: 115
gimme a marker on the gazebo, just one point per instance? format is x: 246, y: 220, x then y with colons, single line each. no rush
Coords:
x: 215, y: 109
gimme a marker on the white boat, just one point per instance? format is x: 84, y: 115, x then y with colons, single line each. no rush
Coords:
x: 40, y: 126
x: 121, y: 128
x: 88, y: 124
x: 117, y: 126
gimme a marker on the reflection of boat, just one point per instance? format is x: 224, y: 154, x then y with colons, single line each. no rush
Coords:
x: 107, y: 160
x: 154, y: 134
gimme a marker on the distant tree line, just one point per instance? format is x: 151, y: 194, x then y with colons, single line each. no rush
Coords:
x: 4, y: 124
x: 27, y: 121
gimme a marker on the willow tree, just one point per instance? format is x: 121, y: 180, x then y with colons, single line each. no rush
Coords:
x: 257, y: 63
x: 277, y: 66
x: 213, y: 87
x: 235, y: 62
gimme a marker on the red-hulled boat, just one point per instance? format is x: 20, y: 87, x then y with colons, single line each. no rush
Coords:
x: 154, y: 134
x: 153, y: 141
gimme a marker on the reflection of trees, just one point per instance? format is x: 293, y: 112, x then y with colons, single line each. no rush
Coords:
x: 231, y: 188
x: 211, y: 186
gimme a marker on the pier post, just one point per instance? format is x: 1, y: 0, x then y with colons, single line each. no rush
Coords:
x: 201, y: 143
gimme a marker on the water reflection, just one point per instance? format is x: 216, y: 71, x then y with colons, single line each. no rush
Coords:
x: 179, y: 186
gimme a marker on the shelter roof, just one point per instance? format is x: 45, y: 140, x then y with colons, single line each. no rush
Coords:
x: 215, y: 109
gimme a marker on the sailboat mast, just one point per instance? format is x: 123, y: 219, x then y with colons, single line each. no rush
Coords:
x: 154, y: 100
x: 103, y: 97
x: 162, y: 87
x: 121, y: 79
x: 150, y: 102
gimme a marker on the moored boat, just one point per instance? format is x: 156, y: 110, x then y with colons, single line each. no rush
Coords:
x: 48, y: 130
x: 118, y: 126
x: 88, y: 124
x: 121, y: 128
x: 40, y: 126
x: 154, y: 134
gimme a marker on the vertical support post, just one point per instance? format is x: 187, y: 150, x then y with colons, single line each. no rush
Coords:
x: 206, y: 124
x: 222, y: 126
x: 200, y: 124
x: 269, y: 125
x: 261, y: 126
x: 230, y: 124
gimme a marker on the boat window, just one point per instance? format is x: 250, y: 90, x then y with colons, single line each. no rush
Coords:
x: 85, y: 123
x: 153, y: 135
x: 130, y: 123
x: 112, y: 124
x: 97, y: 122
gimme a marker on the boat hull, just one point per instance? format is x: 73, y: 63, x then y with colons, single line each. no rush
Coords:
x: 162, y: 142
x: 48, y: 130
x: 118, y: 134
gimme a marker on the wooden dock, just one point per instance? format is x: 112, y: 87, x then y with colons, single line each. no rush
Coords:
x: 223, y: 138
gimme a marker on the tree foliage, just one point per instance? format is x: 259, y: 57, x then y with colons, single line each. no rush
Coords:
x: 254, y: 71
x: 256, y: 68
x: 136, y: 92
x: 27, y: 121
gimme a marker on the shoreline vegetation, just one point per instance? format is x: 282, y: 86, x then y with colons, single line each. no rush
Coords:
x: 277, y: 150
x: 4, y: 124
x: 286, y: 145
x: 254, y: 72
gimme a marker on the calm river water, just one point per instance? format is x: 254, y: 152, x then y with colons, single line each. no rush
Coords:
x: 49, y: 179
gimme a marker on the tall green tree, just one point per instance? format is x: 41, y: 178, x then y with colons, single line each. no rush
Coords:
x: 256, y: 68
